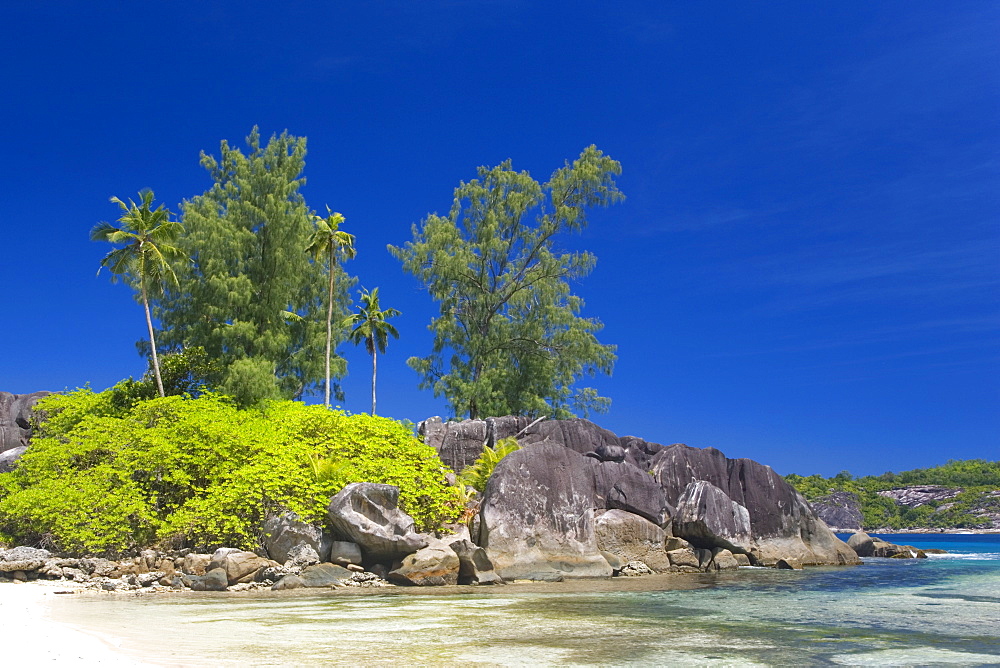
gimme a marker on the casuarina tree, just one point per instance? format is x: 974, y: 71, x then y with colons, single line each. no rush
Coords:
x: 509, y: 338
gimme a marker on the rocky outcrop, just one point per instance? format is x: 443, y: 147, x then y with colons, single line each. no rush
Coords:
x: 622, y: 485
x: 15, y: 420
x: 630, y: 537
x: 918, y: 495
x: 841, y: 511
x: 474, y: 565
x: 286, y: 538
x: 459, y: 444
x: 538, y: 516
x: 782, y: 524
x: 708, y: 518
x: 871, y: 546
x: 436, y: 564
x: 368, y: 514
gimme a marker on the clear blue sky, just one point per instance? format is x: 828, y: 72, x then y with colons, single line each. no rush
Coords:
x: 805, y: 271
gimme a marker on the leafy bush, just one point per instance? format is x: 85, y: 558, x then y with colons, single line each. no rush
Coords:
x: 201, y: 472
x: 477, y: 474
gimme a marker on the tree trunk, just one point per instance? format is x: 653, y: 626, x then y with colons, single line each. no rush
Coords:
x: 329, y: 332
x: 374, y: 368
x: 152, y: 342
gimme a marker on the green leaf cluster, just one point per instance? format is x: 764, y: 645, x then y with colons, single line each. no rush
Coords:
x: 978, y: 478
x: 509, y: 338
x: 201, y: 472
x: 477, y: 474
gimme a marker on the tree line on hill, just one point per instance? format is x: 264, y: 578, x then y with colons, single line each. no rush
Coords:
x: 246, y: 293
x: 978, y: 480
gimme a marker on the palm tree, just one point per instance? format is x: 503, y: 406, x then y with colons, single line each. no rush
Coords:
x: 370, y: 326
x: 144, y: 260
x: 327, y: 243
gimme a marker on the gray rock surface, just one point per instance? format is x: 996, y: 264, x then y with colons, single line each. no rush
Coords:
x: 239, y: 566
x: 622, y: 485
x: 344, y: 552
x: 630, y: 537
x: 538, y: 516
x: 474, y: 565
x: 285, y: 533
x: 324, y: 575
x: 459, y: 444
x: 15, y: 418
x: 782, y: 523
x: 871, y: 546
x: 841, y: 511
x: 434, y: 565
x: 8, y: 458
x: 368, y: 514
x: 707, y: 518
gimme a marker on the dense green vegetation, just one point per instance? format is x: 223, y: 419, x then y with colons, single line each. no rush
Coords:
x: 509, y: 339
x: 200, y: 473
x: 977, y: 478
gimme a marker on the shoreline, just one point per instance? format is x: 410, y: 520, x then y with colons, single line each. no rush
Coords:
x: 33, y: 636
x: 944, y: 532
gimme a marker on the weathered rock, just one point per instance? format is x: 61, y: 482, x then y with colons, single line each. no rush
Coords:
x: 285, y: 533
x: 638, y: 451
x: 474, y: 565
x: 788, y: 564
x: 195, y: 563
x: 636, y: 567
x: 707, y: 518
x: 324, y: 575
x: 579, y: 435
x: 302, y: 555
x: 367, y: 514
x: 343, y: 552
x: 870, y: 546
x: 289, y: 581
x: 239, y: 566
x: 724, y: 560
x: 434, y: 565
x: 684, y: 560
x: 538, y: 516
x: 631, y: 538
x: 841, y: 511
x: 914, y: 496
x: 782, y: 523
x: 8, y: 458
x: 623, y: 486
x: 22, y: 558
x: 214, y: 580
x: 608, y: 452
x: 15, y: 418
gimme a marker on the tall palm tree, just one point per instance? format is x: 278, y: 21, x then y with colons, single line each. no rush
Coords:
x: 327, y: 244
x: 369, y: 325
x: 144, y: 260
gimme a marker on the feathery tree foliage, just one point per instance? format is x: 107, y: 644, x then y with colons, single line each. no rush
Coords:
x: 250, y: 297
x: 326, y: 245
x: 369, y: 325
x: 144, y: 261
x: 509, y: 339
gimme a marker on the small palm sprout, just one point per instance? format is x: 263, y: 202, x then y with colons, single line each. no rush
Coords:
x: 144, y: 259
x: 369, y: 325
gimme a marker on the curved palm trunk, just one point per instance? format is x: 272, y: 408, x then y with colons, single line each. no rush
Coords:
x: 374, y: 369
x: 152, y: 341
x: 329, y: 333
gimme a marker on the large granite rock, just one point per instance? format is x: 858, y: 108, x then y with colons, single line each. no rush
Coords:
x: 538, y: 516
x: 238, y: 565
x: 707, y: 518
x: 622, y: 485
x: 841, y: 511
x: 638, y: 451
x: 8, y: 458
x: 436, y: 564
x: 459, y: 444
x: 871, y: 546
x: 630, y: 537
x: 579, y: 435
x: 474, y: 565
x: 286, y: 534
x: 368, y: 514
x: 782, y: 523
x: 15, y: 418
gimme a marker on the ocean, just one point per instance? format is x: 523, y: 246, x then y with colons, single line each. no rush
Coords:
x: 944, y: 610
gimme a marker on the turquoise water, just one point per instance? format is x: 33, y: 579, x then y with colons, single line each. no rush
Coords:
x: 944, y: 610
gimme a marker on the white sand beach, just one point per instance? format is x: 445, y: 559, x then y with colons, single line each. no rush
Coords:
x: 31, y: 637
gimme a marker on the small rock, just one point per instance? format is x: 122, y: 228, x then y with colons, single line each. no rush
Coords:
x: 788, y: 564
x: 636, y: 567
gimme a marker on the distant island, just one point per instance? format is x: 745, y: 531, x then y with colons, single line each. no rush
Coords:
x: 958, y: 496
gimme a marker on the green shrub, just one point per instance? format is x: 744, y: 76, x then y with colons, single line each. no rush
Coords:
x: 477, y: 474
x: 201, y: 472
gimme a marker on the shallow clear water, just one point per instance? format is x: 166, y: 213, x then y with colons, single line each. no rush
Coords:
x: 939, y: 611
